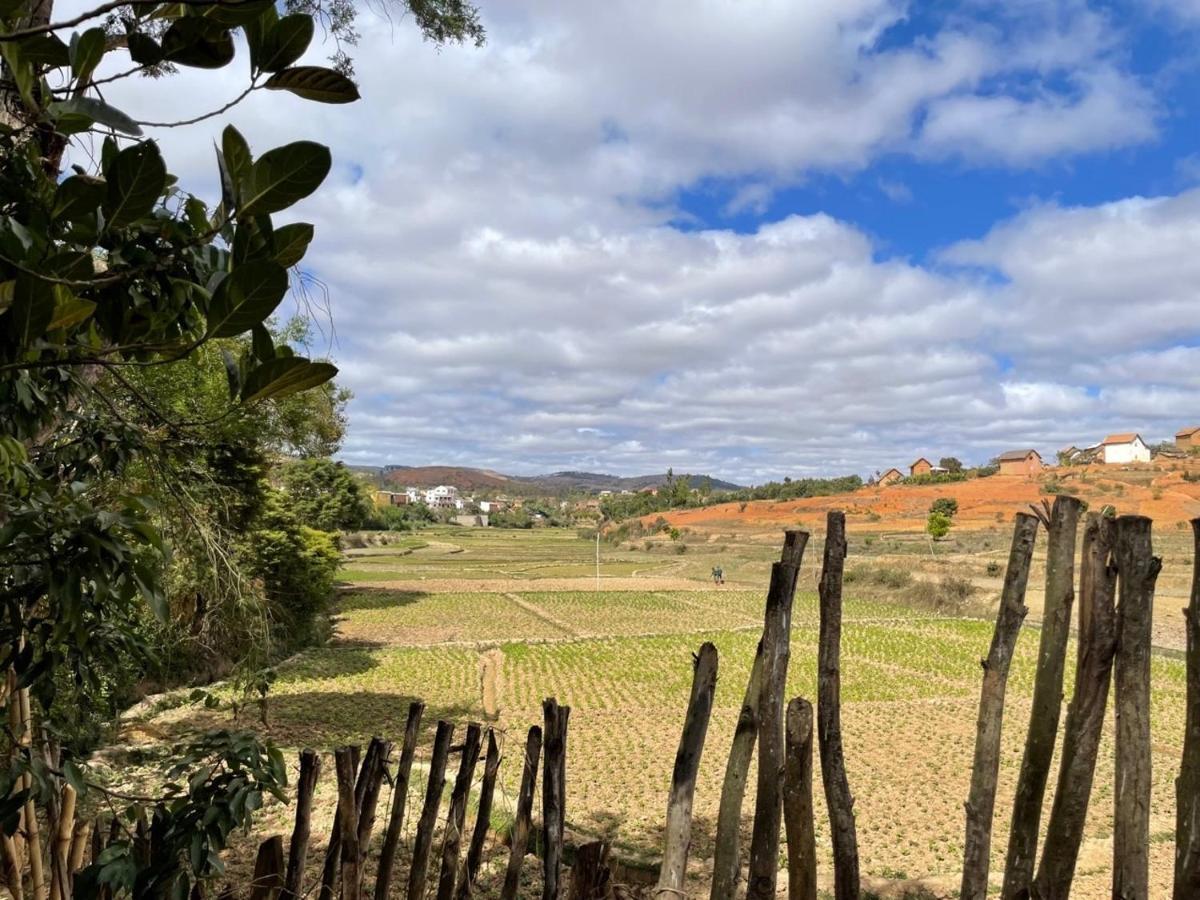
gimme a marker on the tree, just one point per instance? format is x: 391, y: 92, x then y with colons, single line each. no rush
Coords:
x: 109, y: 271
x: 947, y: 506
x: 938, y: 525
x: 950, y: 464
x: 324, y: 494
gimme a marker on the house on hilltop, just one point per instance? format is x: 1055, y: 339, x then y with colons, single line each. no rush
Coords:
x: 921, y: 466
x: 891, y: 476
x: 1025, y: 463
x: 1125, y: 448
x: 1187, y: 438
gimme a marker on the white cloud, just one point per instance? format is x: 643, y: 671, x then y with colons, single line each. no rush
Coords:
x: 508, y: 291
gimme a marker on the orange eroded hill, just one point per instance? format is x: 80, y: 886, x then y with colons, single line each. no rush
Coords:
x: 1156, y: 489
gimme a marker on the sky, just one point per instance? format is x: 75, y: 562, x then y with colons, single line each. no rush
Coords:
x: 753, y: 239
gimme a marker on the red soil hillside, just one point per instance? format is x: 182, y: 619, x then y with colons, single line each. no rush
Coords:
x: 1155, y: 489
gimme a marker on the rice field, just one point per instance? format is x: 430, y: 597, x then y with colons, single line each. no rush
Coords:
x: 484, y: 626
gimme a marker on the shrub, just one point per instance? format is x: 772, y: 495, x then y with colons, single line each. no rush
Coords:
x: 681, y: 548
x: 994, y: 569
x: 947, y: 506
x: 948, y: 595
x: 938, y: 525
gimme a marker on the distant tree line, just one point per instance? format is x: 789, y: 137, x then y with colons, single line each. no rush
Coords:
x: 677, y: 494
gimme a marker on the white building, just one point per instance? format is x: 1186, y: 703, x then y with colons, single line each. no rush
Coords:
x: 1125, y: 448
x: 444, y: 496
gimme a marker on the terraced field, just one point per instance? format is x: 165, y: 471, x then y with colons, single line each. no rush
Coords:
x: 499, y: 625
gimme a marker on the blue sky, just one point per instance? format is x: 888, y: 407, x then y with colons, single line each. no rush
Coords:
x: 756, y: 238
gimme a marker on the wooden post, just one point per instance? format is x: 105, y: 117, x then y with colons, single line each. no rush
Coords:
x: 687, y: 765
x: 1085, y: 715
x: 798, y: 816
x: 310, y: 771
x: 523, y: 823
x: 829, y: 713
x: 429, y: 812
x: 483, y: 816
x: 368, y: 800
x: 768, y: 809
x: 1137, y: 569
x: 1187, y: 786
x: 726, y: 864
x: 981, y: 802
x: 457, y: 816
x: 391, y: 838
x: 1046, y: 708
x: 347, y: 822
x: 268, y: 869
x: 590, y: 875
x: 554, y: 788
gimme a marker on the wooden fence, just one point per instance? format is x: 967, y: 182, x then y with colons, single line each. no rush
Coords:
x: 1114, y: 598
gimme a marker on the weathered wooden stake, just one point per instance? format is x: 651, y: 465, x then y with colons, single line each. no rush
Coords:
x: 1187, y: 786
x: 687, y: 765
x: 768, y: 809
x: 268, y: 869
x: 726, y: 862
x: 310, y: 772
x: 347, y: 819
x: 457, y: 816
x: 1137, y: 571
x: 391, y: 838
x: 798, y: 816
x: 523, y: 823
x: 333, y: 850
x: 554, y: 788
x: 429, y: 812
x: 1061, y: 527
x: 981, y: 802
x: 483, y: 816
x: 368, y: 799
x: 1085, y: 715
x: 829, y: 713
x: 590, y: 875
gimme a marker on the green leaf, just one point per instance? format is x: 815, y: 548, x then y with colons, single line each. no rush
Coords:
x: 198, y: 42
x: 70, y: 310
x: 74, y: 777
x: 246, y: 297
x: 261, y: 343
x: 314, y: 83
x: 77, y: 114
x: 237, y: 158
x: 252, y: 239
x: 78, y: 196
x: 242, y: 12
x: 143, y: 49
x: 45, y: 50
x: 281, y: 377
x: 284, y: 175
x: 135, y: 182
x: 21, y: 71
x: 286, y: 42
x: 86, y: 51
x: 291, y: 243
x: 31, y: 311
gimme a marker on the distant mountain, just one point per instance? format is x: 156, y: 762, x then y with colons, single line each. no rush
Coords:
x: 473, y: 480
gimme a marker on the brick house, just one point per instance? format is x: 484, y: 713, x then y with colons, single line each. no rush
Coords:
x: 1025, y: 463
x: 921, y: 466
x: 1187, y: 438
x: 891, y: 476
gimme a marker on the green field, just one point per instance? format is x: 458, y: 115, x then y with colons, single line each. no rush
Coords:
x: 621, y: 658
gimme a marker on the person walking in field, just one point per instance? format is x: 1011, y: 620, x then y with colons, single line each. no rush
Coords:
x: 718, y: 575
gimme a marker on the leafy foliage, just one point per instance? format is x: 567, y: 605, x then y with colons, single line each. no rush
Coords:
x: 947, y: 506
x: 324, y: 495
x: 938, y: 525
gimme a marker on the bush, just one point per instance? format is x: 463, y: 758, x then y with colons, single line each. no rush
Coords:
x: 948, y: 595
x: 947, y: 506
x: 938, y: 525
x: 681, y: 548
x: 297, y: 566
x: 994, y: 569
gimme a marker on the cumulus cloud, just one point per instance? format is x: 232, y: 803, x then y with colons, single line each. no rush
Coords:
x: 509, y: 289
